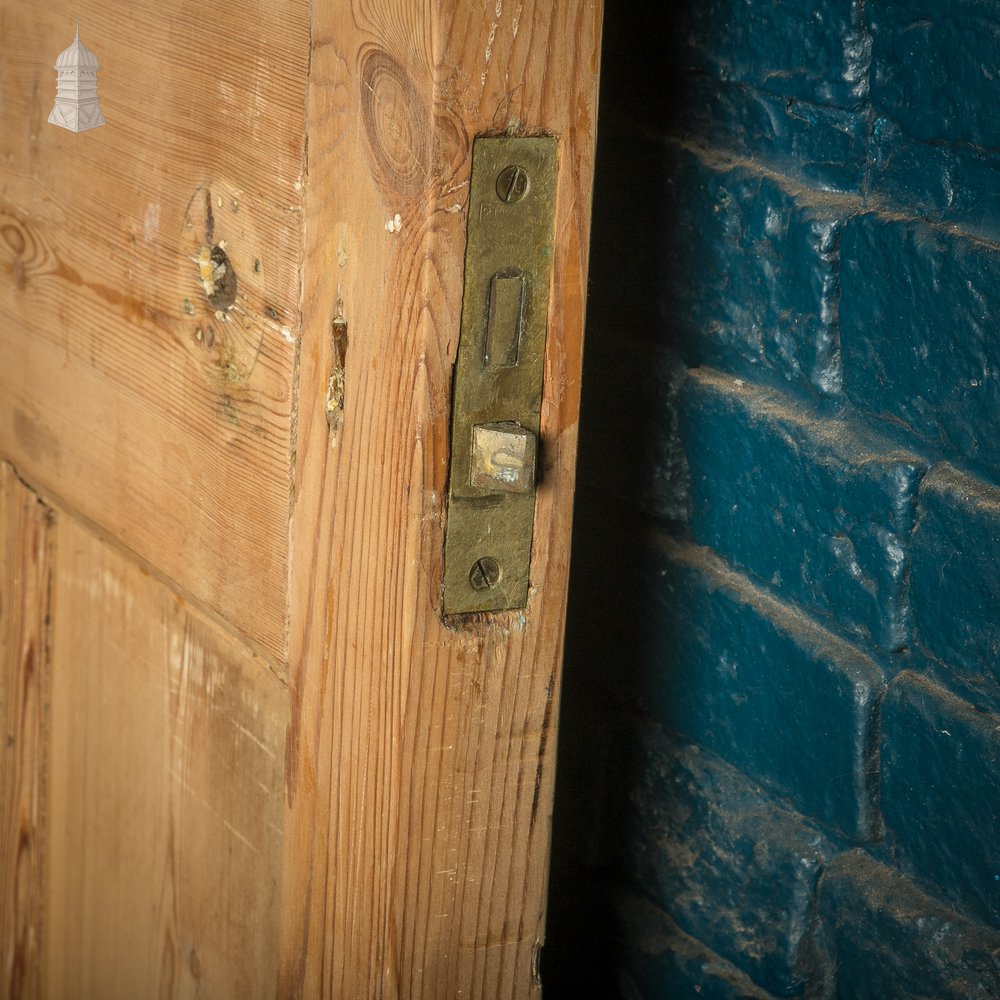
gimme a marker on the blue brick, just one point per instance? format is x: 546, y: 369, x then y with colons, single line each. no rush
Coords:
x: 750, y: 274
x: 941, y: 793
x: 934, y: 68
x: 946, y: 183
x: 664, y: 962
x: 891, y: 940
x: 758, y: 683
x: 825, y: 147
x: 918, y: 333
x: 816, y: 51
x: 955, y: 584
x: 735, y: 870
x: 819, y: 510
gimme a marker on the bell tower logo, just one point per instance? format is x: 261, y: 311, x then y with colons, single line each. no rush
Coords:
x: 76, y: 106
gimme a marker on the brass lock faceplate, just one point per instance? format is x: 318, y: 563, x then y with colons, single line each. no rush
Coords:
x: 498, y: 374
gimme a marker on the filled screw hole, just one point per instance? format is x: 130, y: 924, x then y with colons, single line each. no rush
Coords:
x: 217, y: 276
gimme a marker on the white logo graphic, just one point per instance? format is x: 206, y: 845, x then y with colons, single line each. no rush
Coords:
x: 76, y: 106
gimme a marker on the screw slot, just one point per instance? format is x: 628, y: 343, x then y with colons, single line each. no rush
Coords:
x: 512, y: 184
x: 485, y: 573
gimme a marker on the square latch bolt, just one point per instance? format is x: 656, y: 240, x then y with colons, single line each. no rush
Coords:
x: 503, y: 457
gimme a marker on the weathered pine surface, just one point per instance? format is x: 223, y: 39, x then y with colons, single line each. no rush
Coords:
x: 165, y: 792
x: 421, y: 754
x: 25, y: 565
x: 247, y: 546
x: 121, y: 392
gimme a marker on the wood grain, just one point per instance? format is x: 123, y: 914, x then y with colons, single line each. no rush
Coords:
x: 122, y: 393
x: 165, y: 792
x: 421, y: 755
x: 180, y: 448
x: 25, y: 565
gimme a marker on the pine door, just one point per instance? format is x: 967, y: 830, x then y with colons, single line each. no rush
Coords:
x: 244, y: 755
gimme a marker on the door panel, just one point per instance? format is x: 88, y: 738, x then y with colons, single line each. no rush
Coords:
x: 164, y: 798
x: 122, y: 392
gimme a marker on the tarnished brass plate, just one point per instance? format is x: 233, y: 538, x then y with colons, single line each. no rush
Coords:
x: 498, y: 374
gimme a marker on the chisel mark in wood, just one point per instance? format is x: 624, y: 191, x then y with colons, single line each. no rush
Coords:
x: 542, y: 745
x: 336, y: 382
x: 497, y: 11
x: 209, y: 217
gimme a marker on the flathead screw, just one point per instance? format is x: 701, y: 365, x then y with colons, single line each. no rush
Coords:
x: 512, y: 184
x: 485, y: 573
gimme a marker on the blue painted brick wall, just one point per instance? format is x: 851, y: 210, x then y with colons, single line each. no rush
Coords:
x: 781, y: 744
x: 920, y: 344
x: 934, y: 68
x: 763, y: 686
x: 825, y: 49
x: 823, y: 146
x: 693, y: 818
x: 889, y: 939
x: 956, y: 576
x: 663, y: 961
x: 951, y: 183
x: 941, y: 793
x: 734, y: 231
x: 815, y: 507
x: 933, y: 88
